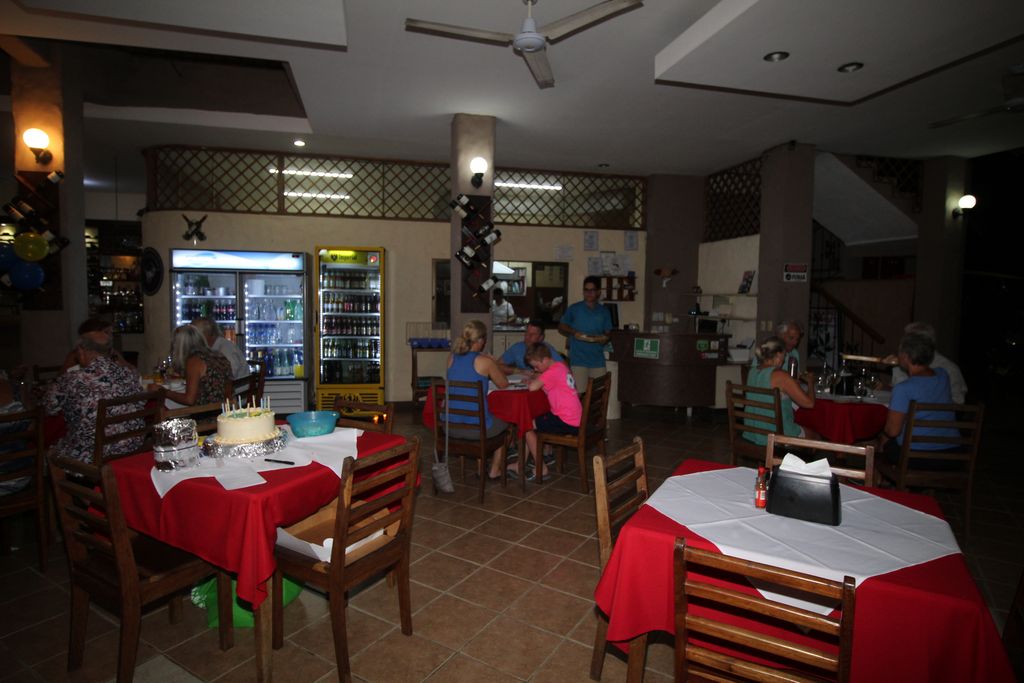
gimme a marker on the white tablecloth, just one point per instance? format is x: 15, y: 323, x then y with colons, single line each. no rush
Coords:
x: 876, y: 536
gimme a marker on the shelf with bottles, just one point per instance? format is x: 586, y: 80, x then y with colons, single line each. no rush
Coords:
x: 274, y: 296
x: 280, y: 363
x: 349, y: 279
x: 350, y: 371
x: 349, y: 303
x: 253, y: 321
x: 354, y: 313
x: 275, y: 345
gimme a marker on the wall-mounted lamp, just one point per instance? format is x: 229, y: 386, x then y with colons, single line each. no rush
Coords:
x: 38, y: 141
x: 478, y: 166
x: 966, y: 203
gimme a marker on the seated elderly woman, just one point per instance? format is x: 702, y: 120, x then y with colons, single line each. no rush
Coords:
x: 207, y: 373
x: 924, y: 384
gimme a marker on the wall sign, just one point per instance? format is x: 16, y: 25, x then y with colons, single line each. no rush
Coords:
x: 794, y: 272
x: 647, y: 348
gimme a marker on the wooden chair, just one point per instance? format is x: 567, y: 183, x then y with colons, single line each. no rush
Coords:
x: 1013, y: 631
x: 22, y: 455
x: 865, y: 476
x: 952, y: 468
x: 380, y: 523
x: 479, y: 446
x: 244, y: 391
x: 717, y: 598
x: 204, y: 415
x: 370, y: 416
x: 593, y: 430
x: 42, y: 374
x: 123, y: 428
x: 742, y: 400
x: 259, y: 368
x: 620, y: 488
x: 122, y: 571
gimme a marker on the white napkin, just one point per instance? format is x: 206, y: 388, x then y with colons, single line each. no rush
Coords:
x: 330, y: 450
x: 231, y: 473
x: 239, y: 478
x: 818, y: 468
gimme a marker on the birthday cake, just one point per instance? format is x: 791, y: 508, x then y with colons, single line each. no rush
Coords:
x: 246, y: 425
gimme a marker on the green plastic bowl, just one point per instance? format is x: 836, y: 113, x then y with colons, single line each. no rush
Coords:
x: 313, y: 422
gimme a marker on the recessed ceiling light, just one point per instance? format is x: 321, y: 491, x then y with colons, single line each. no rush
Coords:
x: 776, y: 56
x: 850, y: 67
x: 603, y: 164
x: 299, y: 142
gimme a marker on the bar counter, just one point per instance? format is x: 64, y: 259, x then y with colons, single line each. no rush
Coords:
x: 668, y: 369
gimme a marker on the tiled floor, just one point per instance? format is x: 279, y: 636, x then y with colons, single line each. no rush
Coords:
x: 501, y: 591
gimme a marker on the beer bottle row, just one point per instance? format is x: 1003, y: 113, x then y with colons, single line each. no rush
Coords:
x: 334, y: 302
x: 351, y: 327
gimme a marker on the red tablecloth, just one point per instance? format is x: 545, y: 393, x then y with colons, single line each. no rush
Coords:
x: 54, y: 427
x: 922, y: 623
x: 517, y: 407
x: 234, y: 530
x: 843, y: 422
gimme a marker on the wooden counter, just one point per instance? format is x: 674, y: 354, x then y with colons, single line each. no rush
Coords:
x: 668, y: 369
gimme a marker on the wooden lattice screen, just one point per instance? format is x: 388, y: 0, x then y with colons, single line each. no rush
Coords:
x: 205, y: 179
x: 733, y: 199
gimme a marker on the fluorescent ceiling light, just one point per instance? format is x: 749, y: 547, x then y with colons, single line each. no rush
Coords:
x: 528, y: 186
x: 312, y: 174
x: 316, y: 195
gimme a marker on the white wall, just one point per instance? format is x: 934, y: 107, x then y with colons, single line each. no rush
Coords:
x: 410, y: 248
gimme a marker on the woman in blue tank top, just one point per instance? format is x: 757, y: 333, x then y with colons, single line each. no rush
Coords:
x: 468, y: 363
x: 769, y: 375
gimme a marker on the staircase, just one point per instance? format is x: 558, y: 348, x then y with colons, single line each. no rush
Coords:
x: 835, y: 329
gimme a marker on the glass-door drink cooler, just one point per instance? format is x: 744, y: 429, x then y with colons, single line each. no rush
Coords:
x: 260, y: 300
x: 350, y: 325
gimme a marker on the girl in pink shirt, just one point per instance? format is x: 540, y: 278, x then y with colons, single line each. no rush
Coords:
x: 557, y: 382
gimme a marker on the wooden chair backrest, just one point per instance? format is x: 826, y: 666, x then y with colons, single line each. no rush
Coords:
x: 474, y: 396
x: 698, y: 661
x: 204, y: 415
x: 595, y: 407
x: 377, y: 495
x: 967, y: 420
x: 44, y: 373
x: 739, y: 408
x: 21, y: 438
x: 620, y: 488
x: 866, y: 476
x: 96, y: 536
x: 244, y: 391
x: 125, y: 425
x: 259, y: 368
x: 371, y: 416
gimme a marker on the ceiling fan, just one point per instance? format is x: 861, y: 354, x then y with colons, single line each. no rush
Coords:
x: 531, y: 42
x: 1013, y: 99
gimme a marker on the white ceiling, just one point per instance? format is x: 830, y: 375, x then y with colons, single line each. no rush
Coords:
x: 370, y: 88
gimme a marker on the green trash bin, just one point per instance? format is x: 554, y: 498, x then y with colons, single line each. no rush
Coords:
x: 205, y: 596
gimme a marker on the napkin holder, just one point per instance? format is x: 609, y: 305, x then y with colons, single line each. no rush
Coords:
x: 804, y: 496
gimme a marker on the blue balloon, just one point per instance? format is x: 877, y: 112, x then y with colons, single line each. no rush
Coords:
x: 7, y: 256
x: 27, y: 275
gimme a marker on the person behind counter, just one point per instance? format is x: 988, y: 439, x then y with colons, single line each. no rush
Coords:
x: 207, y: 373
x: 924, y: 384
x: 771, y: 354
x: 77, y: 395
x: 566, y: 412
x: 514, y: 358
x: 468, y: 363
x: 215, y: 340
x: 587, y: 324
x: 502, y: 312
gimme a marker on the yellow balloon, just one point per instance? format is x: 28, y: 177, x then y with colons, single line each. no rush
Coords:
x: 30, y: 246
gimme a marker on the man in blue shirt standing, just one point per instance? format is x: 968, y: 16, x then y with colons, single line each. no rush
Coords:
x: 587, y: 324
x: 514, y: 358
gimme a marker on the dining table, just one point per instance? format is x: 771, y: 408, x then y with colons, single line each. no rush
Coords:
x: 235, y: 529
x: 923, y: 621
x: 845, y: 419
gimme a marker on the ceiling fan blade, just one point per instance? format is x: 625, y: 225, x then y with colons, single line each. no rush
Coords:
x: 460, y: 32
x: 967, y: 117
x: 586, y: 18
x: 540, y: 68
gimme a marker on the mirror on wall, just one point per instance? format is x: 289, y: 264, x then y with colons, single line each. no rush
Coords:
x: 536, y: 289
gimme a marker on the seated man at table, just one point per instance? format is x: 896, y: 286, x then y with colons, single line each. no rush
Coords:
x: 77, y: 395
x: 514, y: 358
x: 790, y: 333
x: 94, y: 325
x: 924, y: 384
x: 215, y: 340
x: 957, y: 386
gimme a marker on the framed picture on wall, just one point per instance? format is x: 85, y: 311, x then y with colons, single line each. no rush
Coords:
x: 590, y: 240
x: 632, y: 241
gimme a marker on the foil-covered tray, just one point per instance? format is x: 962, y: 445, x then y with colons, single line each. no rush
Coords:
x: 256, y: 449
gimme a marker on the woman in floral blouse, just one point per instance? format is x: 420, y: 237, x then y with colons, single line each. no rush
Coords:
x: 207, y: 373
